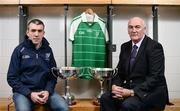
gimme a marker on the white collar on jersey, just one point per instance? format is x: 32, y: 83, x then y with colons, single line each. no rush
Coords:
x: 84, y: 19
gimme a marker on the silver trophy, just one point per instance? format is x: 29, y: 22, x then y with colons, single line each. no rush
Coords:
x: 102, y: 74
x: 67, y: 73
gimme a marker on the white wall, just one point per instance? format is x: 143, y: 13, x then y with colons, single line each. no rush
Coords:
x: 53, y: 17
x: 121, y: 16
x: 9, y: 30
x: 169, y: 36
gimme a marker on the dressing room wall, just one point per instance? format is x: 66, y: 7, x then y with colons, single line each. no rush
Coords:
x: 53, y: 17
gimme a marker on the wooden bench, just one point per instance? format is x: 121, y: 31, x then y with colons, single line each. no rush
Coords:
x: 11, y: 107
x: 8, y: 105
x: 84, y: 105
x: 175, y: 107
x: 87, y: 105
x: 81, y: 105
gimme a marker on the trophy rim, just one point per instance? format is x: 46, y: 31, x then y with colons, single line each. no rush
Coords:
x: 69, y: 68
x: 102, y: 69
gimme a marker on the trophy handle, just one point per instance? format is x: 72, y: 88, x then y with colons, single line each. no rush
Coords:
x: 83, y: 70
x: 91, y: 71
x: 57, y: 71
x: 114, y: 72
x: 80, y: 72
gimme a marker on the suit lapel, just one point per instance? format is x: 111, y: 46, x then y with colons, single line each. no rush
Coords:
x: 128, y: 53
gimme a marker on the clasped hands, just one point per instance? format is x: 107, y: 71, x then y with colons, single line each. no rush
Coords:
x: 120, y: 92
x: 39, y: 97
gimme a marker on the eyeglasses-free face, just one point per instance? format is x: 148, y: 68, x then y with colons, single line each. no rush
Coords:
x: 136, y: 29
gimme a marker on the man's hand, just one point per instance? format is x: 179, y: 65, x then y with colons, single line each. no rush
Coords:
x: 126, y: 93
x: 36, y: 98
x: 120, y: 92
x: 44, y: 95
x: 117, y: 91
x: 39, y: 97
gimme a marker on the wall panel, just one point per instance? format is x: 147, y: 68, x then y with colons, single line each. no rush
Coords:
x: 89, y: 1
x: 125, y: 2
x: 9, y: 2
x: 9, y: 28
x: 54, y: 2
x: 43, y: 2
x: 133, y: 2
x: 167, y: 2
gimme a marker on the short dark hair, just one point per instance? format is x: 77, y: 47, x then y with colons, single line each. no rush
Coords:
x: 35, y: 21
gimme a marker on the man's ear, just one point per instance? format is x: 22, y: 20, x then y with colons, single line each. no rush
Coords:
x: 144, y: 29
x: 27, y: 32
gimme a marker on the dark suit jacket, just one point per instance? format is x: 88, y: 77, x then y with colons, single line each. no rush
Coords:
x: 147, y: 76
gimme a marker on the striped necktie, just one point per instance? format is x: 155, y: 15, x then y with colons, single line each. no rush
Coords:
x: 133, y: 56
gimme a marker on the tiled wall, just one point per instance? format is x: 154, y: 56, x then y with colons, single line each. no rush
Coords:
x: 53, y: 17
x: 8, y: 40
x: 169, y: 25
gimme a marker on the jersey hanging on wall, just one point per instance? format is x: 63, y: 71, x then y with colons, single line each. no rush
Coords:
x: 89, y: 35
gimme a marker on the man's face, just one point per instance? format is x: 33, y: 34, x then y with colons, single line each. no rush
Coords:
x: 35, y: 33
x: 136, y: 29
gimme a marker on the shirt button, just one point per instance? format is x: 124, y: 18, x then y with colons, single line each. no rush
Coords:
x: 145, y: 95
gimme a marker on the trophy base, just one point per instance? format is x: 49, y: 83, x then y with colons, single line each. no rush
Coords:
x: 72, y: 103
x: 70, y: 100
x: 96, y: 102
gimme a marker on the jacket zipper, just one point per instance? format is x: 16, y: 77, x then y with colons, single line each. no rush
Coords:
x: 36, y: 56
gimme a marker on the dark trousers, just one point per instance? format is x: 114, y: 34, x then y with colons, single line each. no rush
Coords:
x: 107, y: 103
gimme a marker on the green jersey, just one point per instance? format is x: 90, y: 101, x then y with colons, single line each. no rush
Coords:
x: 89, y: 44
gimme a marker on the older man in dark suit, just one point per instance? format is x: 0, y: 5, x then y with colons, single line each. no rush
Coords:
x: 140, y: 84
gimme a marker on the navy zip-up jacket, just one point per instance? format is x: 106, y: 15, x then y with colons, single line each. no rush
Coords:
x: 30, y: 68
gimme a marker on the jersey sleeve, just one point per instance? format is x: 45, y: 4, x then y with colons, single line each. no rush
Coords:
x: 73, y: 27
